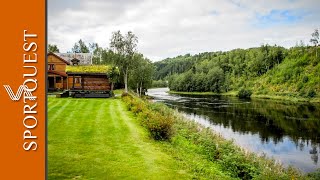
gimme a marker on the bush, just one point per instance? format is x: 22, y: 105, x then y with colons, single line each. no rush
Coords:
x: 159, y: 126
x: 124, y: 94
x: 156, y: 117
x: 244, y: 93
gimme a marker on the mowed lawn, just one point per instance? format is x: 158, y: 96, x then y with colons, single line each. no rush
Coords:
x: 100, y: 139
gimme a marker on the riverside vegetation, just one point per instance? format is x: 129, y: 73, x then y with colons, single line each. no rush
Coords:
x: 267, y: 71
x: 203, y: 151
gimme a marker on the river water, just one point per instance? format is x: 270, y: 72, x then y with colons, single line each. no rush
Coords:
x: 286, y: 131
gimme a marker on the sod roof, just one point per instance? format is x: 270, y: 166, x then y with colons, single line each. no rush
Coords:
x: 88, y: 69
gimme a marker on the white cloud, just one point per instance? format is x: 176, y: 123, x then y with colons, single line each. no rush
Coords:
x: 167, y: 28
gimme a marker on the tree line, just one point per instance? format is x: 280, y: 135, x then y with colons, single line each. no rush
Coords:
x: 265, y: 68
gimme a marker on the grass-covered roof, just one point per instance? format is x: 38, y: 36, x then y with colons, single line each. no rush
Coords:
x: 88, y: 69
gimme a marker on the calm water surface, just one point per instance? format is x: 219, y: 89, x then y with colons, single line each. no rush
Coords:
x: 288, y: 132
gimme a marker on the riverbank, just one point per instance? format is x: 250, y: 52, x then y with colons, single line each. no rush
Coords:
x: 194, y: 138
x: 258, y: 96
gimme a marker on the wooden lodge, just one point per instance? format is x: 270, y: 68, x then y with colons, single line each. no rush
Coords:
x: 57, y: 76
x: 81, y: 80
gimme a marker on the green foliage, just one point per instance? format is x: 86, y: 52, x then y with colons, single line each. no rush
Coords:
x: 113, y: 74
x: 159, y: 83
x: 80, y: 47
x: 244, y: 93
x: 154, y: 117
x: 175, y: 65
x: 314, y: 175
x: 89, y: 69
x: 125, y: 48
x: 220, y: 71
x: 53, y: 48
x: 234, y: 161
x: 141, y: 74
x: 266, y: 70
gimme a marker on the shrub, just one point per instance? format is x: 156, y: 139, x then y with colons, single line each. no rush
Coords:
x: 138, y: 107
x: 244, y: 93
x: 159, y: 126
x: 156, y: 117
x: 124, y: 94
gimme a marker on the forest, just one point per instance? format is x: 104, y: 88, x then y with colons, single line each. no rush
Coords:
x: 271, y: 70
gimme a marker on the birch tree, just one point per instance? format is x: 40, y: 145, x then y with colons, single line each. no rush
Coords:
x: 125, y: 47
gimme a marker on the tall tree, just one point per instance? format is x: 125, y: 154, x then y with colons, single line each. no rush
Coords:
x: 315, y: 40
x: 113, y: 76
x: 53, y: 48
x: 125, y: 47
x: 80, y: 47
x: 141, y: 74
x: 97, y: 52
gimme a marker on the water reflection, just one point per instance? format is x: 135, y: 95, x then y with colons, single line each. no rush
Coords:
x: 289, y: 132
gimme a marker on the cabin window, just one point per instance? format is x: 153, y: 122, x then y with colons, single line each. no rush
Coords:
x: 77, y: 80
x: 51, y: 67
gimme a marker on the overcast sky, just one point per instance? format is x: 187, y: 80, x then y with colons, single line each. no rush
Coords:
x: 167, y: 28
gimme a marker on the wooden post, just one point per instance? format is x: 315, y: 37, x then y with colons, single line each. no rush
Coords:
x: 67, y: 82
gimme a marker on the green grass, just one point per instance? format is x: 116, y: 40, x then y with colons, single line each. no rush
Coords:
x: 88, y: 69
x: 118, y: 91
x: 101, y: 139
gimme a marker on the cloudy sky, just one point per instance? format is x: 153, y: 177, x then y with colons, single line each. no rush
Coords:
x: 168, y: 28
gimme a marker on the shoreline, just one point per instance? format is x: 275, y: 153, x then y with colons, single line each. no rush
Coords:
x: 253, y: 96
x: 212, y: 146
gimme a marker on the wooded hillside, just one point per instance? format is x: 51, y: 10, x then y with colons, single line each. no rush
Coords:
x: 264, y: 70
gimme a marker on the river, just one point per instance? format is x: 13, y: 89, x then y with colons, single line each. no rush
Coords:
x: 286, y: 131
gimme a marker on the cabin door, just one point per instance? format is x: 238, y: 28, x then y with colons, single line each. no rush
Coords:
x: 51, y: 82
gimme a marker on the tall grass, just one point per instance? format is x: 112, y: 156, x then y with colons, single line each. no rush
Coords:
x: 155, y: 118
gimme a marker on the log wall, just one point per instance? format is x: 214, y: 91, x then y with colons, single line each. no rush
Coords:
x: 90, y: 82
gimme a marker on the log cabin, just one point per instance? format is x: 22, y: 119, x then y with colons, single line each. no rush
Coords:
x: 88, y: 78
x: 57, y: 76
x: 71, y: 75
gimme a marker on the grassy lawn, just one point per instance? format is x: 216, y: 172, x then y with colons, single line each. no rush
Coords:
x: 100, y: 139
